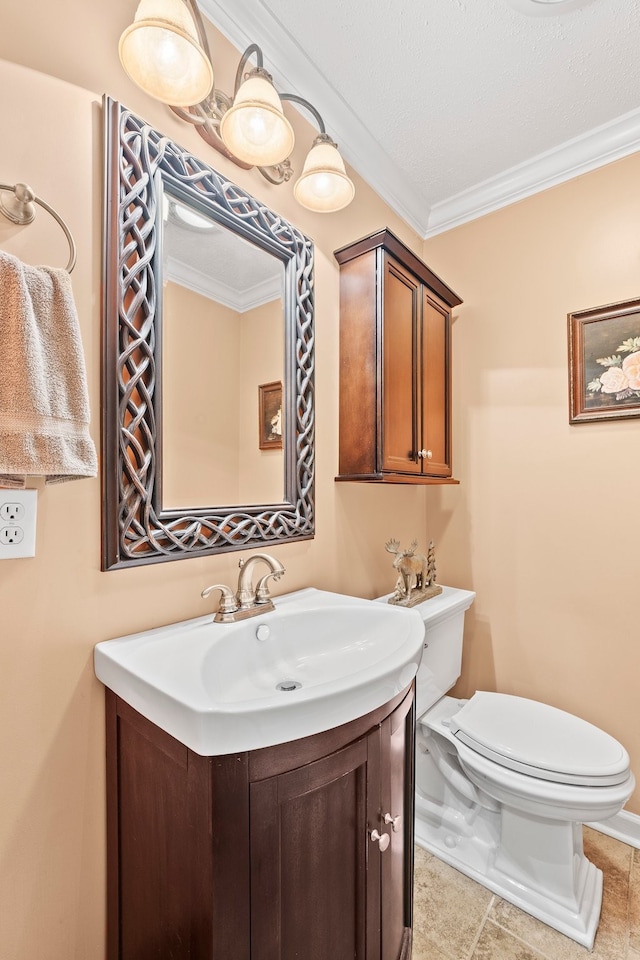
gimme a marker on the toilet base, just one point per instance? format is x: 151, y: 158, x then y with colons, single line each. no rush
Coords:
x: 470, y: 841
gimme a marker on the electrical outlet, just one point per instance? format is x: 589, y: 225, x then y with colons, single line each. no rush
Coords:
x: 10, y: 535
x: 12, y: 510
x: 18, y: 523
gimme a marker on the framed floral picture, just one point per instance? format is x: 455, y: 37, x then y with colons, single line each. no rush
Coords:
x: 270, y: 416
x: 604, y: 362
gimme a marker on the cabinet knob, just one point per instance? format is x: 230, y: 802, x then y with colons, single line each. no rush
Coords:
x: 428, y: 454
x: 394, y: 821
x: 381, y: 838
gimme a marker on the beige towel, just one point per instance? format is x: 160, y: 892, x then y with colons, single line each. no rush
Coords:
x: 44, y: 403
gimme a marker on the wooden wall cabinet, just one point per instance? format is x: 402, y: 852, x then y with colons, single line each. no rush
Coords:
x: 395, y: 365
x: 265, y: 855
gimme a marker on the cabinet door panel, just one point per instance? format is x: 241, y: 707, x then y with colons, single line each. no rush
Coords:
x: 435, y: 389
x: 399, y: 391
x: 155, y: 909
x: 397, y: 860
x: 309, y: 856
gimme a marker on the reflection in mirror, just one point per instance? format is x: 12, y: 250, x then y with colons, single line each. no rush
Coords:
x: 208, y: 310
x: 226, y: 295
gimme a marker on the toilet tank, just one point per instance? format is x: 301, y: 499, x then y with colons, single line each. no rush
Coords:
x: 442, y: 655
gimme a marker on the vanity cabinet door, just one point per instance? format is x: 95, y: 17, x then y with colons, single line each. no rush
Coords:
x: 396, y: 862
x: 311, y: 894
x: 321, y: 887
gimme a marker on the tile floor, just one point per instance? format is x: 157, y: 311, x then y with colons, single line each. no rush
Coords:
x: 457, y: 919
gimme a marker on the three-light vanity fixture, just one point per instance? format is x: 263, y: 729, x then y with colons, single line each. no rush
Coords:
x: 166, y: 53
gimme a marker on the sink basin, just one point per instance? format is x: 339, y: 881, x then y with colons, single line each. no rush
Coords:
x: 318, y: 660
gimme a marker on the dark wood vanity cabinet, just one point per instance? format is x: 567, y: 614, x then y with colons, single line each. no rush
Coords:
x: 395, y: 365
x: 265, y: 855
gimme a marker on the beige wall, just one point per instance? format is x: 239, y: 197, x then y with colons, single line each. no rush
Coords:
x: 201, y: 366
x: 545, y: 525
x: 57, y: 605
x: 213, y: 360
x: 261, y: 472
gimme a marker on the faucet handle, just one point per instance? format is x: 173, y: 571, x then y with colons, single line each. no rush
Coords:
x: 262, y: 590
x: 227, y: 600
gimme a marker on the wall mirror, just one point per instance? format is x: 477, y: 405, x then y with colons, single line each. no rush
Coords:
x: 208, y: 309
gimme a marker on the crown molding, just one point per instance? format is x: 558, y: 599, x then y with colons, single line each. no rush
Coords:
x: 215, y: 289
x: 612, y: 141
x: 243, y: 21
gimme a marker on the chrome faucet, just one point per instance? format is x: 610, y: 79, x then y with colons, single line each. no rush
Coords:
x: 249, y: 601
x: 246, y: 596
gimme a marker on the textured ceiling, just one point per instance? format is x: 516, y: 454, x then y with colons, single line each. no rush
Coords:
x: 208, y: 258
x: 453, y: 107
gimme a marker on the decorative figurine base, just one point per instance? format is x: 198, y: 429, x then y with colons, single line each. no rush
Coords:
x: 417, y: 596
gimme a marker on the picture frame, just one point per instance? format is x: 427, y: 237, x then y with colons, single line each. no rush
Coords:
x: 604, y: 362
x: 270, y: 415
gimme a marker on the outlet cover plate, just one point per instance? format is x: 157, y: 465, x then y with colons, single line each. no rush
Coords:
x: 18, y: 509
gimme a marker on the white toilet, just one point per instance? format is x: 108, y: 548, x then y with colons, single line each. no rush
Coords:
x: 504, y: 784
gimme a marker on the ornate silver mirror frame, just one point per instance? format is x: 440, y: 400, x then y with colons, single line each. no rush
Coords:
x: 136, y: 529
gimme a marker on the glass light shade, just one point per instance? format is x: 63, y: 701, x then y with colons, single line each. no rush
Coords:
x: 190, y: 218
x: 323, y: 185
x: 161, y: 52
x: 255, y: 129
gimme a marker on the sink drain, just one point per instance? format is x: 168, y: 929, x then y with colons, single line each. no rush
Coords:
x: 288, y: 685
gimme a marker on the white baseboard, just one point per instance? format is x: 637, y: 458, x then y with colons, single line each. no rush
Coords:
x: 624, y: 826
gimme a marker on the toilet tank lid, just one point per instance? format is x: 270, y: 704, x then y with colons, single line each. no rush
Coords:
x: 451, y: 602
x: 540, y: 740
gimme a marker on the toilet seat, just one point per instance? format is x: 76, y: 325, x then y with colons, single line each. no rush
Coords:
x: 539, y: 740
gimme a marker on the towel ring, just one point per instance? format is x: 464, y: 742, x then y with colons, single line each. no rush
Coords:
x: 20, y: 209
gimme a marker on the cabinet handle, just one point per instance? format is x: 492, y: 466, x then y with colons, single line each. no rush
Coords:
x: 422, y: 454
x: 428, y: 454
x: 394, y: 821
x: 383, y: 839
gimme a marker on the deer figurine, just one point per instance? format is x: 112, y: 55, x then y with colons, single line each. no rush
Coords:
x: 411, y: 567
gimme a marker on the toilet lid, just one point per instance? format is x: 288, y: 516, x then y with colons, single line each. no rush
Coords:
x: 539, y: 740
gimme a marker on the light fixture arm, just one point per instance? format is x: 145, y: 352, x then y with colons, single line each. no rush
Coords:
x: 216, y: 102
x: 294, y: 98
x: 244, y: 59
x: 199, y: 25
x: 283, y: 172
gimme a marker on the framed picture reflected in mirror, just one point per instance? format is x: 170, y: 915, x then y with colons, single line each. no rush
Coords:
x: 270, y: 415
